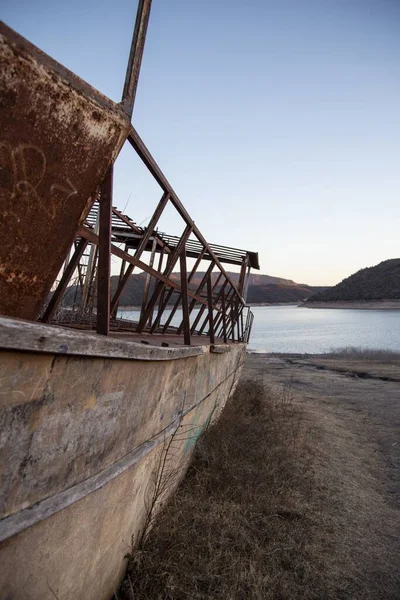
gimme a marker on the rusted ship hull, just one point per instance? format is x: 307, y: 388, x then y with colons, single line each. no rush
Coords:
x: 87, y: 419
x: 58, y: 137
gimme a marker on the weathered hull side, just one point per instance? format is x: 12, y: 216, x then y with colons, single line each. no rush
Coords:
x: 82, y: 438
x: 58, y: 137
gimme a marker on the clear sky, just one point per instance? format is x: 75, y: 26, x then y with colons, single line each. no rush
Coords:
x: 276, y: 121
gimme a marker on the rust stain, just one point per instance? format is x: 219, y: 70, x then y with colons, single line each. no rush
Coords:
x: 58, y: 137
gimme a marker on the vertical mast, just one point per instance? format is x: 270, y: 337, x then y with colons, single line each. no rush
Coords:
x: 135, y: 56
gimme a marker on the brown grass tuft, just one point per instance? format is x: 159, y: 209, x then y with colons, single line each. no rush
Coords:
x: 238, y: 527
x: 257, y: 516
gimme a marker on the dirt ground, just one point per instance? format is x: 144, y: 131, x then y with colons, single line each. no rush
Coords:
x: 352, y: 406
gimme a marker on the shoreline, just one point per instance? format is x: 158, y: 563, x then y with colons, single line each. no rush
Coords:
x: 368, y: 305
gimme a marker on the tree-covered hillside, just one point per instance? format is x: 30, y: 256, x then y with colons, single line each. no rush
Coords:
x: 381, y: 282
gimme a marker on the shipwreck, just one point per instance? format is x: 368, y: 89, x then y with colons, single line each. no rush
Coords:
x: 90, y: 399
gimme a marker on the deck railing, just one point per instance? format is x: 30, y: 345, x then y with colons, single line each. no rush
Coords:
x: 213, y: 306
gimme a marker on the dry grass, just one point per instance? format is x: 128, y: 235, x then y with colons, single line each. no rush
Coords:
x: 263, y: 514
x: 371, y: 354
x: 239, y: 525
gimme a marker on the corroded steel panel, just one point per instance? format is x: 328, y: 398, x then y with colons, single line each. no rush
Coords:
x: 58, y: 136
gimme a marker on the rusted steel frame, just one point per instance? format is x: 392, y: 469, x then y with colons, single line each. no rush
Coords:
x: 246, y: 285
x: 185, y: 299
x: 213, y: 305
x: 158, y: 289
x: 234, y: 316
x: 66, y: 276
x: 144, y: 154
x: 176, y: 305
x: 140, y: 249
x: 162, y: 305
x: 228, y: 297
x: 159, y: 269
x: 148, y: 277
x: 242, y: 276
x: 94, y: 239
x: 200, y: 313
x: 239, y: 322
x: 193, y: 302
x: 250, y: 326
x: 89, y: 271
x: 196, y: 265
x: 210, y: 311
x: 92, y: 281
x: 135, y: 56
x: 172, y: 313
x: 199, y: 288
x: 104, y: 260
x: 230, y: 317
x: 79, y: 266
x: 136, y: 229
x: 121, y: 274
x: 223, y: 319
x: 126, y: 220
x: 206, y: 320
x: 246, y: 326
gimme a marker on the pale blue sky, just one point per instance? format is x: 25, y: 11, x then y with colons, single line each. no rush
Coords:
x: 276, y: 121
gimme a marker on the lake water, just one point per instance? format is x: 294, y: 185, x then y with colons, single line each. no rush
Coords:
x: 312, y: 330
x: 293, y: 329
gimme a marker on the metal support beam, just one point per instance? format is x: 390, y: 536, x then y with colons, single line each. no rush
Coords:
x: 200, y: 287
x: 162, y: 305
x: 113, y: 313
x: 159, y: 286
x: 148, y: 277
x: 66, y: 276
x: 185, y: 299
x: 223, y: 319
x: 206, y: 320
x: 210, y: 311
x: 140, y: 249
x: 104, y: 264
x: 242, y: 276
x: 135, y: 56
x: 144, y: 154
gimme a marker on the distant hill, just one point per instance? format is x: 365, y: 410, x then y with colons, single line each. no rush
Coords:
x: 278, y: 293
x: 381, y: 282
x: 261, y: 289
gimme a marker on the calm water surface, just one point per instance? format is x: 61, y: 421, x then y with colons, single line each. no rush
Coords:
x: 292, y: 329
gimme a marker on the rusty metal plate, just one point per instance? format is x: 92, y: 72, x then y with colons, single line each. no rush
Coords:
x: 58, y: 135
